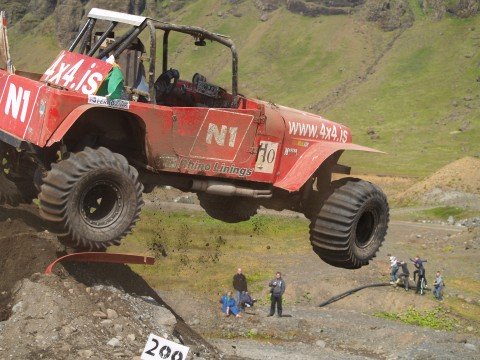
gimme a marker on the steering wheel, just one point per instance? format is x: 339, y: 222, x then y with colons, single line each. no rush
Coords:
x: 166, y: 83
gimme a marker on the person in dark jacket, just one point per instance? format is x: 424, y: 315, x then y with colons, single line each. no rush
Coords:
x: 239, y: 284
x: 405, y: 274
x: 418, y: 263
x: 420, y: 271
x: 277, y: 288
x: 246, y: 300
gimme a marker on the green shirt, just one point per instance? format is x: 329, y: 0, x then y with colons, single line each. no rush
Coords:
x: 112, y: 85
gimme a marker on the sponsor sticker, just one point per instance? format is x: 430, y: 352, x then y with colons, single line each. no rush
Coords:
x: 113, y: 103
x: 288, y: 151
x: 301, y: 143
x: 323, y: 131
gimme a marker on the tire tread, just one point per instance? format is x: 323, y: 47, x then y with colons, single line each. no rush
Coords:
x: 60, y: 181
x: 331, y: 230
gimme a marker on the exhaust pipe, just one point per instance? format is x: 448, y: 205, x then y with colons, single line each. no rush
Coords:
x: 227, y: 189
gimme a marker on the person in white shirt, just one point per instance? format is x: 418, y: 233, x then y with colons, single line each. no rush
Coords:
x: 393, y: 268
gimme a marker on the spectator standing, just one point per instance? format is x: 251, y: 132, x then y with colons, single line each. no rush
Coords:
x: 405, y: 274
x: 421, y: 275
x: 418, y: 263
x: 393, y: 268
x: 438, y: 286
x: 239, y: 284
x: 277, y: 288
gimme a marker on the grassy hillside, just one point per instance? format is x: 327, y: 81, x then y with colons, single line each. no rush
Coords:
x: 417, y: 88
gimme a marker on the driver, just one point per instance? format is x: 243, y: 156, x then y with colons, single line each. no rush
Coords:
x: 113, y: 85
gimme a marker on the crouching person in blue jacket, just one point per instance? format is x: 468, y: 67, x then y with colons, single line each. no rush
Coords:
x: 229, y: 305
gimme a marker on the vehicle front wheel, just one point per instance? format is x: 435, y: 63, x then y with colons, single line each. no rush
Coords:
x: 351, y: 224
x: 93, y: 197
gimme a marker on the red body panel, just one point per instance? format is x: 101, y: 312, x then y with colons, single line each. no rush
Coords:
x: 259, y: 142
x: 19, y: 106
x: 310, y: 160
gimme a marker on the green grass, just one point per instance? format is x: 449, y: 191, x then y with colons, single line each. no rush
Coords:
x: 469, y: 314
x: 34, y: 50
x: 469, y: 286
x: 446, y: 211
x: 437, y: 318
x: 442, y: 213
x: 202, y: 254
x: 411, y: 97
x: 414, y: 98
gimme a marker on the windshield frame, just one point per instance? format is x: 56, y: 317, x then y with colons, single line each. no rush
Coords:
x: 138, y: 23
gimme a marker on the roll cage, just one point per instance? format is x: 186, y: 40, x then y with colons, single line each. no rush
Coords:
x: 89, y: 46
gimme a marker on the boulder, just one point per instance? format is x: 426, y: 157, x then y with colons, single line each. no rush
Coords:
x: 389, y: 14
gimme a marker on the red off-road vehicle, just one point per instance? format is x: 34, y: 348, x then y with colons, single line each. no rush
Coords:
x: 88, y: 158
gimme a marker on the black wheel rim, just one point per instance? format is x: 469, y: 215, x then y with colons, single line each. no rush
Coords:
x: 366, y: 225
x: 101, y: 204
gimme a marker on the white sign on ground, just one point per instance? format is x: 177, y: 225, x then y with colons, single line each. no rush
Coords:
x: 158, y: 348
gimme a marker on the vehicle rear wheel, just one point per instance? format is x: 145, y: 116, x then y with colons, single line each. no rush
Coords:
x: 16, y: 177
x: 230, y: 209
x: 93, y: 198
x: 351, y: 224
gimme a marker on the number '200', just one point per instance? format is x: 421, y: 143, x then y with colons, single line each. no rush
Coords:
x: 165, y: 352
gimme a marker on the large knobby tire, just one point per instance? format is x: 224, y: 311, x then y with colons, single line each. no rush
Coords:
x: 230, y: 209
x: 351, y: 225
x: 16, y: 177
x: 93, y: 198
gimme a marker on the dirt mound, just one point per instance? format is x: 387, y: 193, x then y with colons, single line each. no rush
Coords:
x: 23, y: 219
x: 58, y: 318
x: 21, y: 256
x: 99, y: 311
x: 22, y: 251
x: 455, y: 184
x: 102, y: 311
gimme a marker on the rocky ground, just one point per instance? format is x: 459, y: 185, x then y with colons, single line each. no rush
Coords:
x: 339, y: 334
x: 73, y: 320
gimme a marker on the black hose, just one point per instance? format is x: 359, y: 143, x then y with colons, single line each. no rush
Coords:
x: 350, y: 292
